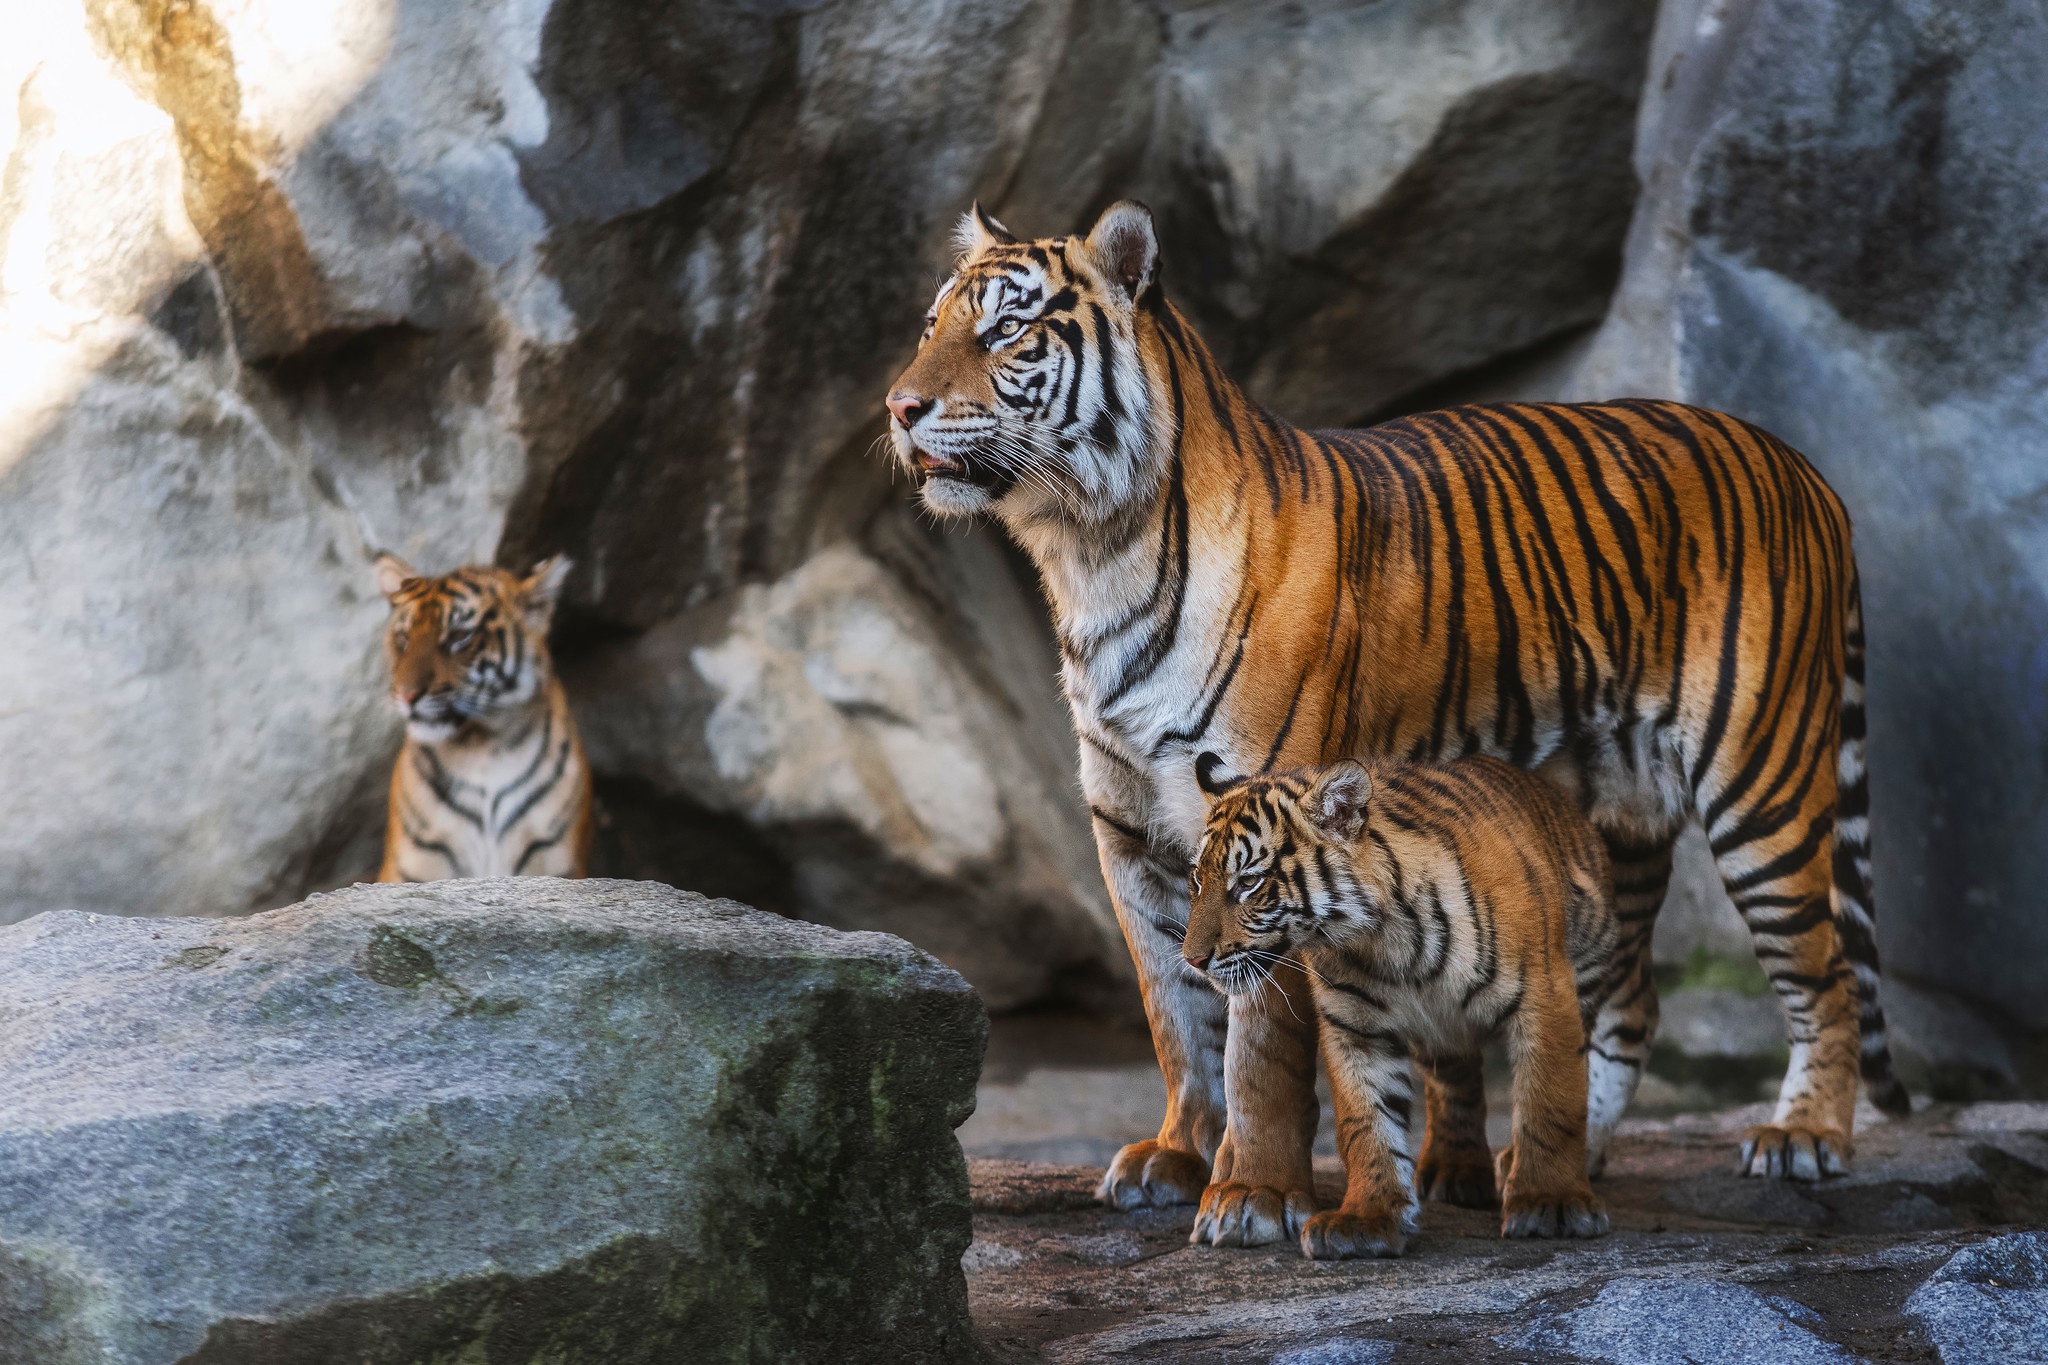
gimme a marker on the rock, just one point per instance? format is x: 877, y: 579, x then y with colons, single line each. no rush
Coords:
x: 1948, y: 1048
x: 1384, y: 196
x: 505, y: 1120
x: 1702, y: 1263
x: 1339, y: 1351
x: 1840, y: 239
x: 625, y: 279
x: 1722, y: 1023
x: 1989, y: 1304
x: 1669, y: 1322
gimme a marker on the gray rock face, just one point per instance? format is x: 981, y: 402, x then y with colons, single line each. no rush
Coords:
x: 1840, y: 239
x: 1671, y: 1322
x: 1989, y: 1303
x: 1924, y: 1250
x: 284, y: 286
x: 501, y: 1121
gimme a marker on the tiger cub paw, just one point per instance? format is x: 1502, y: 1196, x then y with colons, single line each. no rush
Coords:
x: 1553, y: 1213
x: 1235, y: 1215
x: 1462, y: 1177
x: 1340, y: 1236
x: 1794, y: 1153
x: 1148, y: 1175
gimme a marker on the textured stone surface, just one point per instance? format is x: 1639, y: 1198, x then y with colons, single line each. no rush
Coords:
x: 1989, y: 1303
x: 1901, y: 1260
x: 283, y: 284
x: 500, y: 1121
x: 1840, y: 238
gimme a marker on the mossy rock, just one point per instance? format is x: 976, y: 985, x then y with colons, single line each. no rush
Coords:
x: 481, y: 1123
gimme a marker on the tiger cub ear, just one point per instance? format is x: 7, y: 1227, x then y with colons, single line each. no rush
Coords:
x: 1336, y: 803
x: 542, y: 589
x: 976, y: 232
x: 392, y: 574
x: 1213, y: 775
x: 1126, y: 247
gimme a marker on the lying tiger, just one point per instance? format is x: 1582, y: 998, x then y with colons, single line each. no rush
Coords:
x: 491, y: 781
x: 1654, y: 603
x: 1435, y: 908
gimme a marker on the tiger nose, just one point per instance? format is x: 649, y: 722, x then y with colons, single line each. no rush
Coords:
x: 906, y: 407
x: 1200, y: 964
x: 409, y: 695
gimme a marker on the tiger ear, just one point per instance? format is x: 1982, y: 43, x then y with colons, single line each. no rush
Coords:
x: 1336, y: 803
x: 976, y: 232
x: 542, y: 589
x: 1214, y: 776
x: 1126, y: 247
x: 392, y: 574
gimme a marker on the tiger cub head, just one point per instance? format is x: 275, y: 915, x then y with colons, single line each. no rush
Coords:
x: 1029, y: 395
x: 1276, y: 868
x: 468, y: 647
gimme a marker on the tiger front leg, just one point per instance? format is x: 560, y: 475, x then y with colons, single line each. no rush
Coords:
x: 1545, y: 1191
x: 1188, y: 1021
x: 1263, y: 1186
x: 1372, y: 1086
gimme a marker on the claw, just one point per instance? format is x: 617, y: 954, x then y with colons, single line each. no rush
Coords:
x: 1238, y: 1215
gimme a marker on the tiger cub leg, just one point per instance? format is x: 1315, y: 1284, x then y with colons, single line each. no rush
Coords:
x: 1263, y: 1184
x: 1372, y: 1086
x: 1456, y: 1166
x: 1545, y: 1190
x: 1624, y: 1002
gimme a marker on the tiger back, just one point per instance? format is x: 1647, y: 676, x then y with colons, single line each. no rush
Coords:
x: 1437, y: 907
x: 1653, y: 604
x: 491, y: 781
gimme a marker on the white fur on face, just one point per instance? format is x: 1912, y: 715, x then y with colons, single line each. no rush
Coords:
x: 1072, y: 423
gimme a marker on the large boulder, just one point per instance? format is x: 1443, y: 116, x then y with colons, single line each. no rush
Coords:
x: 495, y: 1121
x: 283, y: 285
x: 1841, y: 238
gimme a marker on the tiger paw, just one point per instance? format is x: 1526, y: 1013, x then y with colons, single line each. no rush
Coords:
x: 1794, y: 1153
x: 1149, y: 1175
x: 1461, y: 1177
x: 1235, y: 1215
x: 1340, y: 1236
x: 1555, y: 1213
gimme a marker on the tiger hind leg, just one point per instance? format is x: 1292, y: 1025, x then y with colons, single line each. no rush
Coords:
x: 1456, y: 1166
x: 1786, y: 897
x: 1625, y: 1017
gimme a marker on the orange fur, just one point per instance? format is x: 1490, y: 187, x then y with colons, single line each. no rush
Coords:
x: 1653, y: 604
x: 1434, y: 908
x: 491, y: 781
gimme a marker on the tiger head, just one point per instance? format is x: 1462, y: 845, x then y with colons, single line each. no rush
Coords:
x: 468, y: 647
x: 1029, y: 395
x: 1276, y: 868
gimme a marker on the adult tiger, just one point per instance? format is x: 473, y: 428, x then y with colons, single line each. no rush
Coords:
x: 1654, y: 604
x: 491, y: 781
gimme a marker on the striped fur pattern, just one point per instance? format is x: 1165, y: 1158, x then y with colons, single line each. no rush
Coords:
x: 491, y: 781
x: 1653, y: 604
x: 1435, y: 908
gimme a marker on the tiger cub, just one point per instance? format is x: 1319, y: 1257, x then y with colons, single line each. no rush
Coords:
x: 1435, y: 908
x: 491, y: 781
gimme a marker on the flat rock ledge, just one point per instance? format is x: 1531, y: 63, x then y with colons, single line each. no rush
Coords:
x: 492, y: 1122
x: 1931, y: 1251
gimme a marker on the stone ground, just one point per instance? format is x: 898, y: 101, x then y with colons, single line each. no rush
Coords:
x: 1925, y: 1252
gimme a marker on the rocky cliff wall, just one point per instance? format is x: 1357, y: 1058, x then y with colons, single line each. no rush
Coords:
x: 282, y: 285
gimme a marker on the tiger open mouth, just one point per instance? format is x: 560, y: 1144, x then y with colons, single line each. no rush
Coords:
x: 931, y: 465
x: 984, y: 475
